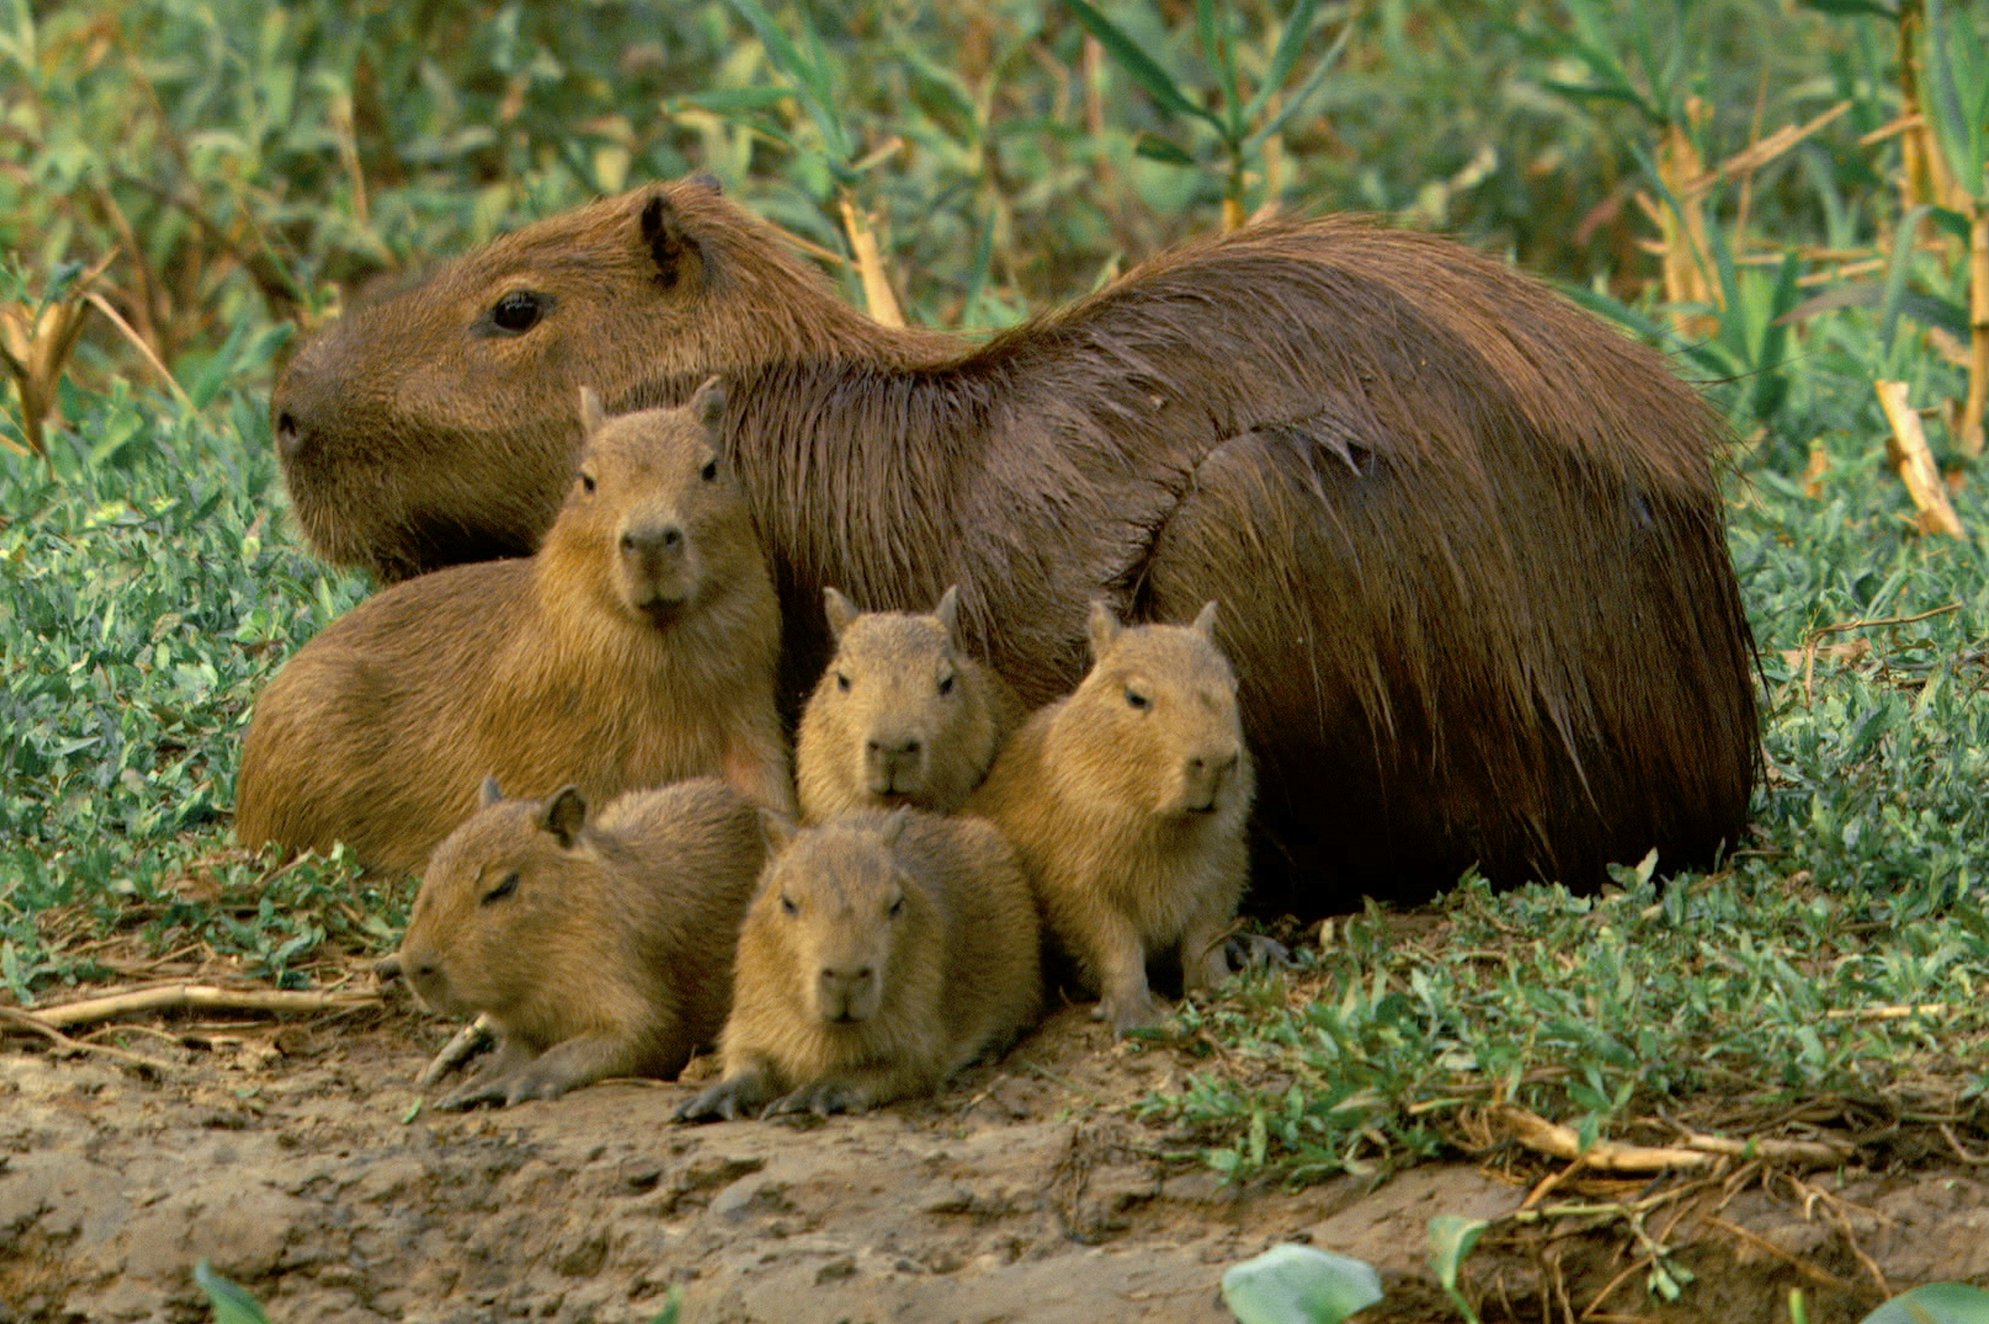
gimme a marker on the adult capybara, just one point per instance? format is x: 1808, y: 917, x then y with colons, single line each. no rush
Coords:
x: 596, y: 946
x: 1129, y: 802
x: 1468, y: 537
x: 902, y: 716
x: 638, y: 646
x: 882, y: 953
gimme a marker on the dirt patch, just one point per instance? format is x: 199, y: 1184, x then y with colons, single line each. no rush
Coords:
x: 289, y: 1158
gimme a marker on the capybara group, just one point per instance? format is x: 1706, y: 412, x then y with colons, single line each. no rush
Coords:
x: 639, y: 645
x: 902, y: 715
x: 881, y: 954
x: 1128, y: 802
x: 1468, y: 538
x: 596, y: 945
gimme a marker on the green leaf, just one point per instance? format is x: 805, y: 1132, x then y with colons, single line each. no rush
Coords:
x: 1221, y: 51
x: 1452, y: 1239
x: 1156, y: 148
x: 1303, y: 93
x: 1872, y: 7
x: 1293, y: 1284
x: 1895, y: 278
x: 673, y: 1306
x: 1298, y: 27
x: 1955, y: 97
x: 1126, y: 53
x: 1935, y: 1303
x: 233, y: 1304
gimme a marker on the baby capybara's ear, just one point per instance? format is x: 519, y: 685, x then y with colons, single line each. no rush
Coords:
x: 893, y: 826
x: 1104, y: 628
x: 592, y: 416
x: 707, y: 181
x: 565, y: 814
x: 708, y: 404
x: 491, y: 792
x: 777, y: 829
x: 948, y: 612
x: 1205, y: 621
x: 675, y: 250
x: 840, y: 611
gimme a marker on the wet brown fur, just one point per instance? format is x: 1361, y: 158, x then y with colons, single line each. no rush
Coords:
x: 902, y: 715
x: 1469, y: 538
x: 1129, y: 802
x: 574, y: 665
x: 918, y: 931
x: 611, y: 952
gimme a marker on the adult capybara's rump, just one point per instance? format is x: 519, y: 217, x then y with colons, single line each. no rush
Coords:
x: 1467, y: 537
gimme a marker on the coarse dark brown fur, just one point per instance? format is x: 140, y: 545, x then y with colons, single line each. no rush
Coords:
x: 638, y: 646
x: 881, y: 954
x: 1468, y: 537
x: 597, y: 945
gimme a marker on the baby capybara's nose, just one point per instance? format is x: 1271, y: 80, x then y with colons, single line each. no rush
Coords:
x: 661, y: 538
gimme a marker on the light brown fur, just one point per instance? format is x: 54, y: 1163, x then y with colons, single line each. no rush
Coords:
x: 918, y: 932
x: 610, y: 659
x: 902, y: 716
x: 597, y: 947
x: 1469, y: 539
x: 1128, y: 802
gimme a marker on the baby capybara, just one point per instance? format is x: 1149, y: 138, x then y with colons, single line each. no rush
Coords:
x: 881, y: 954
x: 902, y: 716
x: 595, y: 946
x: 637, y: 647
x: 1128, y: 802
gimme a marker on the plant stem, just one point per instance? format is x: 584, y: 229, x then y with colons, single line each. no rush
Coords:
x: 1970, y: 437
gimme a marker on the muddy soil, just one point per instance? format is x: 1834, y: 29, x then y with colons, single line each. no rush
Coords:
x: 291, y: 1157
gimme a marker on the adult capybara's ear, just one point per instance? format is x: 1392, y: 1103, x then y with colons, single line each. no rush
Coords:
x: 679, y: 258
x: 565, y: 814
x: 777, y: 830
x: 492, y: 793
x: 948, y: 612
x: 840, y: 611
x: 1104, y: 628
x: 592, y: 415
x: 1205, y: 620
x: 708, y: 404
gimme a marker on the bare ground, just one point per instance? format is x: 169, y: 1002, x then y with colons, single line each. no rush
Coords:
x: 288, y: 1156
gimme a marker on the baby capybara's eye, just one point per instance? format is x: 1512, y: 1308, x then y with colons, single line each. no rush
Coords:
x: 518, y: 311
x: 710, y: 471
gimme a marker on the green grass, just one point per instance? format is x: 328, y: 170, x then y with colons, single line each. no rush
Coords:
x: 254, y: 166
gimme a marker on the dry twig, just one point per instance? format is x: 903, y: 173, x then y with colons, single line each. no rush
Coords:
x: 1907, y: 449
x: 182, y: 997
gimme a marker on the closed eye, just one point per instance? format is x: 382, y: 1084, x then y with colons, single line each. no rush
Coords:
x: 503, y: 889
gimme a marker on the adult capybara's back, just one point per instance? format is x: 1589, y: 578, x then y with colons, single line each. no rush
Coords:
x: 1468, y: 538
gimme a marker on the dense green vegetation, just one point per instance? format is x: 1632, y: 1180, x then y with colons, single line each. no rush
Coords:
x: 244, y: 169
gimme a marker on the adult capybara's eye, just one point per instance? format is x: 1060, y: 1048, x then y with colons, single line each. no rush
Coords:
x: 518, y: 311
x: 1134, y: 699
x: 503, y: 889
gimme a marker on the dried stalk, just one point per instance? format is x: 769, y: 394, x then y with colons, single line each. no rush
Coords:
x: 1682, y: 226
x: 1969, y: 434
x: 1907, y: 449
x: 1698, y: 1152
x: 182, y: 997
x: 878, y: 296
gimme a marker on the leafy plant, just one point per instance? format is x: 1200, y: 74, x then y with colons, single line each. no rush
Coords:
x: 233, y: 1303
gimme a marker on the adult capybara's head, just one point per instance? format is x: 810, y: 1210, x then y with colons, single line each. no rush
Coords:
x: 437, y: 425
x: 655, y: 503
x: 502, y: 895
x: 1153, y: 727
x: 841, y: 918
x: 896, y: 711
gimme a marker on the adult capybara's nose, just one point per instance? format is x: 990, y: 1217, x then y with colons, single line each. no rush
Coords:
x: 661, y: 539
